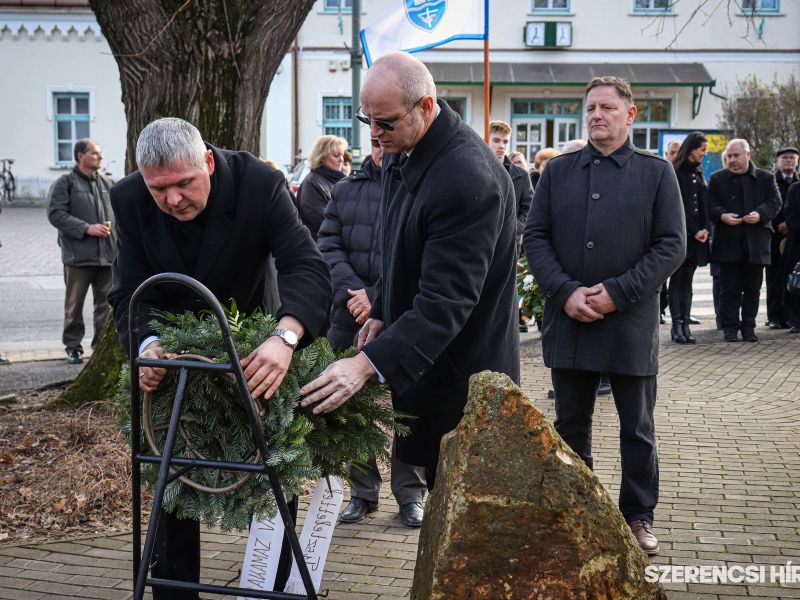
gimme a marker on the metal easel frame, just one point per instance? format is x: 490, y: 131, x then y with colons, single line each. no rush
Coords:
x: 142, y: 560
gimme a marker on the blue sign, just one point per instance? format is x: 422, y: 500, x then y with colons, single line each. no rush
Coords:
x: 425, y: 14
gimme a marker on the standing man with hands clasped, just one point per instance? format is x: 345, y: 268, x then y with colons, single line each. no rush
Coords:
x: 605, y: 230
x: 80, y: 209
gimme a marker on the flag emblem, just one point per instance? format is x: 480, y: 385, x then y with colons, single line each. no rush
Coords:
x: 425, y: 14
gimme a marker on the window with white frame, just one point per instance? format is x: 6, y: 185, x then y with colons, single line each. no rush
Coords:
x: 337, y: 5
x: 653, y: 116
x: 337, y: 113
x: 656, y: 6
x: 761, y: 6
x: 458, y: 104
x: 71, y: 117
x: 550, y: 6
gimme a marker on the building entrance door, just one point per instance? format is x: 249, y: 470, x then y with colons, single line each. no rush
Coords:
x: 529, y: 136
x: 564, y: 130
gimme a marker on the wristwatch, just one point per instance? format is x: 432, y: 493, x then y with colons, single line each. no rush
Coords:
x: 289, y: 337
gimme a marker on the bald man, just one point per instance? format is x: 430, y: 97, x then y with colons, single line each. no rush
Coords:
x: 445, y: 306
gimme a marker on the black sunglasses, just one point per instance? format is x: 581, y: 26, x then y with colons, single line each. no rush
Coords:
x: 385, y: 125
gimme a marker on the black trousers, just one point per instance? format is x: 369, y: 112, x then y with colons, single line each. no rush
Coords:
x: 407, y: 481
x: 680, y: 289
x: 776, y: 283
x: 635, y: 399
x: 176, y: 554
x: 740, y: 290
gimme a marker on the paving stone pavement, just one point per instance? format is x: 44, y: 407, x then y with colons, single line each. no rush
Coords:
x: 727, y: 422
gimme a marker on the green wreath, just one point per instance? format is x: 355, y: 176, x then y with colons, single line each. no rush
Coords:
x: 214, y: 425
x: 531, y: 298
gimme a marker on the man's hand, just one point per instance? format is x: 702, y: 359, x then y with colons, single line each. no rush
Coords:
x: 150, y: 378
x: 369, y: 332
x: 701, y: 236
x: 578, y: 308
x: 98, y: 230
x: 783, y: 228
x: 266, y: 367
x: 731, y: 219
x: 600, y: 301
x: 752, y: 218
x: 337, y: 384
x: 359, y: 305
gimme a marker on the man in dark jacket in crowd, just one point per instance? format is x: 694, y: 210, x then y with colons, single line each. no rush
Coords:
x: 446, y: 303
x: 742, y: 201
x: 349, y: 242
x: 605, y: 230
x: 80, y: 209
x: 785, y: 176
x: 215, y: 215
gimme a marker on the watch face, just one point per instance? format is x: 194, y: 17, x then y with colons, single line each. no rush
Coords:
x: 290, y: 337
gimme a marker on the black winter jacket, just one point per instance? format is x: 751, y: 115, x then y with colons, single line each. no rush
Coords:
x: 314, y: 195
x: 348, y: 240
x: 694, y: 193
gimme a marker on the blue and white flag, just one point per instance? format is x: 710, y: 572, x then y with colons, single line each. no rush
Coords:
x: 417, y: 25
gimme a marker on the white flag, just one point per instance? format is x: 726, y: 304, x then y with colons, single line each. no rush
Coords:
x: 417, y: 25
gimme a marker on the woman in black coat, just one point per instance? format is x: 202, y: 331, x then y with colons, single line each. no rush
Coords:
x: 695, y: 206
x: 791, y: 253
x: 325, y: 160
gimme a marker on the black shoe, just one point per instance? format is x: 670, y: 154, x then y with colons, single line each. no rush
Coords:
x: 774, y: 325
x: 411, y: 514
x: 730, y: 336
x: 356, y: 510
x: 4, y: 360
x: 692, y: 321
x: 74, y: 357
x: 605, y: 387
x: 794, y: 329
x: 661, y: 320
x: 748, y: 335
x: 676, y: 333
x: 551, y: 394
x: 523, y: 328
x: 687, y: 333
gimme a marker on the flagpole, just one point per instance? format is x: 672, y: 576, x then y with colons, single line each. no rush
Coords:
x: 486, y: 87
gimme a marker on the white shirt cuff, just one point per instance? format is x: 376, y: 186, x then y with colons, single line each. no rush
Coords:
x: 147, y: 342
x: 381, y: 379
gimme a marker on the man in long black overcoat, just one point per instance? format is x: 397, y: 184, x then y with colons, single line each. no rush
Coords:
x: 605, y: 230
x: 446, y: 305
x: 216, y: 216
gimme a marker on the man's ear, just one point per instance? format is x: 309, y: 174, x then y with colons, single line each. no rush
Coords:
x: 210, y: 162
x: 632, y: 112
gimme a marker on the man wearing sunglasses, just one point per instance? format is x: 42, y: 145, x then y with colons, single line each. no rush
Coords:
x: 445, y: 305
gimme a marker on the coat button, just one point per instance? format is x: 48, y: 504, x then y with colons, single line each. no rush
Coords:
x: 596, y: 161
x: 595, y: 196
x: 590, y: 245
x: 549, y: 294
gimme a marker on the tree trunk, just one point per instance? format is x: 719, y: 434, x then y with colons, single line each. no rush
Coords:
x: 210, y: 62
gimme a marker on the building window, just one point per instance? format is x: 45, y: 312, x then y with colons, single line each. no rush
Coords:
x: 653, y: 116
x: 538, y: 123
x: 337, y: 113
x: 550, y: 6
x: 71, y: 116
x: 459, y: 105
x: 336, y: 6
x: 657, y: 6
x: 760, y: 6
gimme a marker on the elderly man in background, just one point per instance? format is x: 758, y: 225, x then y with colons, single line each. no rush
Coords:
x: 605, y: 230
x: 742, y: 201
x: 80, y: 208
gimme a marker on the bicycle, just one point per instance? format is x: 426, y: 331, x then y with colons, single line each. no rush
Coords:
x: 8, y: 185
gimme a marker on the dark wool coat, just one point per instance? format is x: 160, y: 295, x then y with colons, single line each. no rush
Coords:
x: 616, y: 220
x: 348, y: 240
x: 249, y: 216
x: 314, y: 195
x: 523, y: 193
x: 783, y: 188
x: 77, y: 201
x: 756, y: 190
x: 791, y: 254
x: 694, y: 193
x: 447, y: 294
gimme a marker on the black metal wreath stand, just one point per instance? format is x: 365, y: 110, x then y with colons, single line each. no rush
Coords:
x: 142, y: 560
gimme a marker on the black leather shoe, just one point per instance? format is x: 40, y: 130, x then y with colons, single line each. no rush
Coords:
x: 356, y: 510
x: 411, y: 514
x: 523, y: 328
x: 774, y: 325
x: 730, y: 336
x: 748, y: 335
x: 4, y: 360
x: 676, y: 333
x: 692, y: 321
x: 605, y: 387
x: 794, y: 329
x: 661, y: 320
x: 74, y: 357
x: 687, y: 333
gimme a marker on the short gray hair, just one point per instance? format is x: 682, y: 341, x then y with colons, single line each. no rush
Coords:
x: 411, y: 75
x: 742, y: 142
x: 168, y: 141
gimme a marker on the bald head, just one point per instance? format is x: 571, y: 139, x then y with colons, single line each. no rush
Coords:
x: 401, y: 70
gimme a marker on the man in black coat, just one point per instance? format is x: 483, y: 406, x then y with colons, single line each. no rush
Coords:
x: 742, y: 201
x: 785, y: 176
x: 214, y: 215
x: 604, y: 232
x: 446, y: 303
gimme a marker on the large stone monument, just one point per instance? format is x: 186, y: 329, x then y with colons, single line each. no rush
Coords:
x: 516, y: 514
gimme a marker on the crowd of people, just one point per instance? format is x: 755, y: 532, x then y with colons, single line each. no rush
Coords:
x: 412, y: 259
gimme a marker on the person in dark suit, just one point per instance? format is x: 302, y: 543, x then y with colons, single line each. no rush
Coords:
x: 785, y: 176
x: 693, y: 187
x: 216, y: 216
x: 605, y: 230
x: 446, y: 302
x: 742, y: 200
